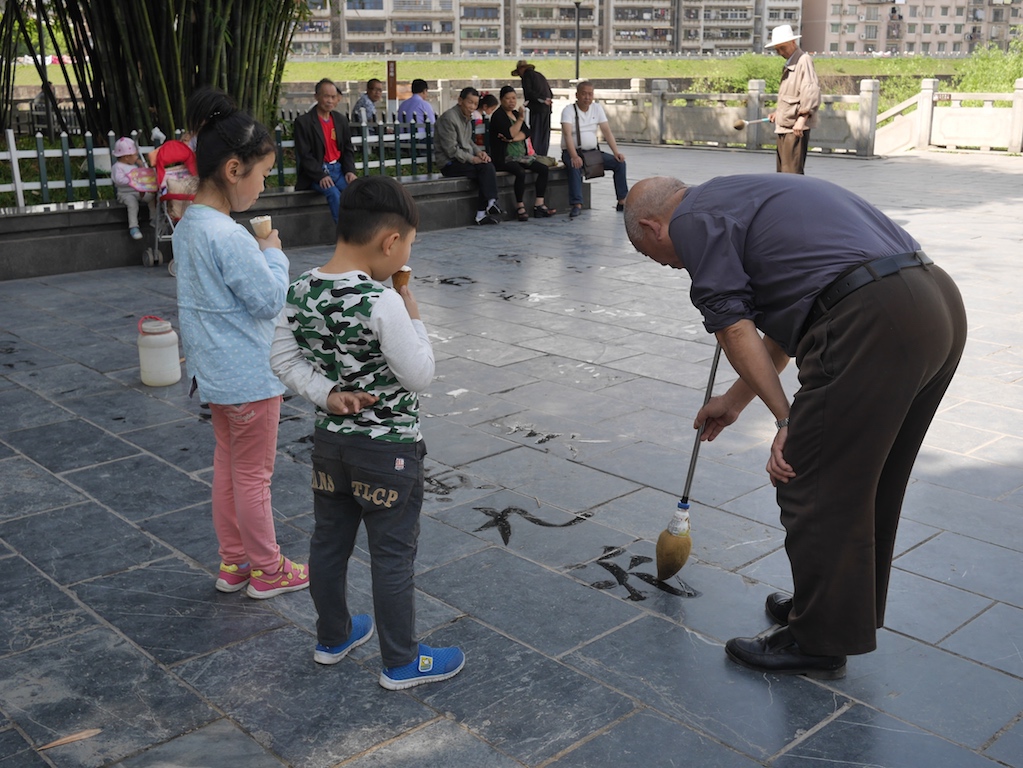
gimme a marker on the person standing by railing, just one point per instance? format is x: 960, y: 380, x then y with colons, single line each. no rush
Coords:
x: 366, y: 107
x: 539, y: 97
x: 799, y: 98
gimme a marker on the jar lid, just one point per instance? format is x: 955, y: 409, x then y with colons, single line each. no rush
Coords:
x: 153, y: 327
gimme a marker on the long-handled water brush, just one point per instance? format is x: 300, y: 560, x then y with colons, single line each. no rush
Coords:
x: 740, y: 124
x: 675, y: 542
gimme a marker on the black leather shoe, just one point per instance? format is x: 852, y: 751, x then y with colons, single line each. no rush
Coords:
x: 778, y: 606
x: 777, y: 652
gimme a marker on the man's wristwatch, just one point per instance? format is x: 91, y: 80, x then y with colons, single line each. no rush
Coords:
x: 780, y: 423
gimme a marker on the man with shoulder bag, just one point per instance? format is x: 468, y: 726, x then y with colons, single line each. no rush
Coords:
x: 581, y: 151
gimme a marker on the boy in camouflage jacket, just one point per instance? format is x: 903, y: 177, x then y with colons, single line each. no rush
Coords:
x: 359, y: 351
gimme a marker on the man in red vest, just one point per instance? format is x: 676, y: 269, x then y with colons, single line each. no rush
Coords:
x: 324, y: 154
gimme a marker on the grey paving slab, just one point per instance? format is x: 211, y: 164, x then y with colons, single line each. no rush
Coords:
x: 455, y: 444
x: 561, y: 483
x: 557, y: 435
x: 521, y: 702
x: 29, y: 488
x: 33, y: 610
x: 685, y: 677
x: 219, y: 743
x: 187, y: 444
x: 927, y: 609
x: 439, y: 744
x: 992, y: 638
x: 542, y: 533
x: 898, y: 679
x: 139, y: 486
x: 975, y: 566
x: 79, y: 542
x: 265, y: 686
x: 16, y: 751
x: 124, y: 410
x: 569, y: 372
x: 861, y: 736
x: 647, y: 738
x: 518, y: 598
x: 1008, y: 747
x: 23, y: 409
x: 65, y: 380
x: 96, y: 679
x: 72, y: 445
x: 173, y: 611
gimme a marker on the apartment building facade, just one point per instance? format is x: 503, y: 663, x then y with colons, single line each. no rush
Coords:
x: 924, y: 27
x: 540, y: 27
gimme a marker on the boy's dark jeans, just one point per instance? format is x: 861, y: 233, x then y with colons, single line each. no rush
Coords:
x: 357, y: 479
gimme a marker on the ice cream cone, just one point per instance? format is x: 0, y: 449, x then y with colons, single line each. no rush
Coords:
x: 401, y: 277
x: 262, y: 226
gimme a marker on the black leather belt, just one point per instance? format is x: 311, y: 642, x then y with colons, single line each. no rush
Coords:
x: 859, y: 276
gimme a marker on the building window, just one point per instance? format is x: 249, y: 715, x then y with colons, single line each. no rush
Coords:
x: 925, y: 47
x: 944, y: 10
x: 850, y: 29
x: 928, y: 11
x: 364, y: 5
x: 473, y: 12
x: 411, y: 26
x: 941, y: 47
x: 850, y: 47
x: 836, y: 28
x: 872, y: 14
x: 957, y: 47
x: 943, y: 29
x: 911, y: 29
x: 836, y: 9
x: 832, y: 47
x: 957, y: 29
x: 871, y: 30
x: 927, y: 29
x: 912, y: 11
x: 960, y: 10
x: 910, y: 47
x: 355, y: 26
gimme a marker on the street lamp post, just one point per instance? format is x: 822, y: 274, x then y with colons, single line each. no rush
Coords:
x: 577, y: 4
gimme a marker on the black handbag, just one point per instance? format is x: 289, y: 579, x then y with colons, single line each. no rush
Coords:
x: 593, y: 159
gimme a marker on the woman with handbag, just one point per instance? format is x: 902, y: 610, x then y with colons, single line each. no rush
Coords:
x: 581, y: 151
x: 508, y: 148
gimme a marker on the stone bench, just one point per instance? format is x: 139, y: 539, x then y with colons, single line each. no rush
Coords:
x: 77, y: 237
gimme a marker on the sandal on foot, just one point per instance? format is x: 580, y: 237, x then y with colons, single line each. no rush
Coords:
x: 521, y: 213
x: 542, y: 211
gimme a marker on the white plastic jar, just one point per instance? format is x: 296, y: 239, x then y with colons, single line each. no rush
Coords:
x: 159, y: 359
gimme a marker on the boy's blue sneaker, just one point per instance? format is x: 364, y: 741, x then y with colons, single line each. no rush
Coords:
x: 433, y: 665
x: 362, y: 630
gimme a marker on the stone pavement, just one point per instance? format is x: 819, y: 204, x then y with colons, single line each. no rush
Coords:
x: 559, y: 430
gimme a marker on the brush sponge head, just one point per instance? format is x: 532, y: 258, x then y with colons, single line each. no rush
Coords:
x: 739, y: 124
x: 672, y: 552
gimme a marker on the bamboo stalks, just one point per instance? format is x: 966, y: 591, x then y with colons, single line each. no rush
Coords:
x: 137, y: 61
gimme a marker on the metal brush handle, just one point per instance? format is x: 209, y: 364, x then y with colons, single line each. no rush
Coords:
x: 699, y: 432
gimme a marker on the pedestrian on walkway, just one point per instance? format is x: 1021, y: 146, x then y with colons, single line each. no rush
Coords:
x: 877, y: 330
x: 538, y: 96
x: 231, y: 286
x: 345, y: 336
x: 799, y: 97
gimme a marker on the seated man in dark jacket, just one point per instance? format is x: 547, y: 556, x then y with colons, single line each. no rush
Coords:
x: 324, y: 155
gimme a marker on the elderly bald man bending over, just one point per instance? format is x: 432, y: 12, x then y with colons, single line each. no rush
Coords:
x: 877, y: 330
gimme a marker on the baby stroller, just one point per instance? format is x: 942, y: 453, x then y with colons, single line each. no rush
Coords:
x: 177, y: 182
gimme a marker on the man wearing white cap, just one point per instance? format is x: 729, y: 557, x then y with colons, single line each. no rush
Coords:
x: 799, y: 96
